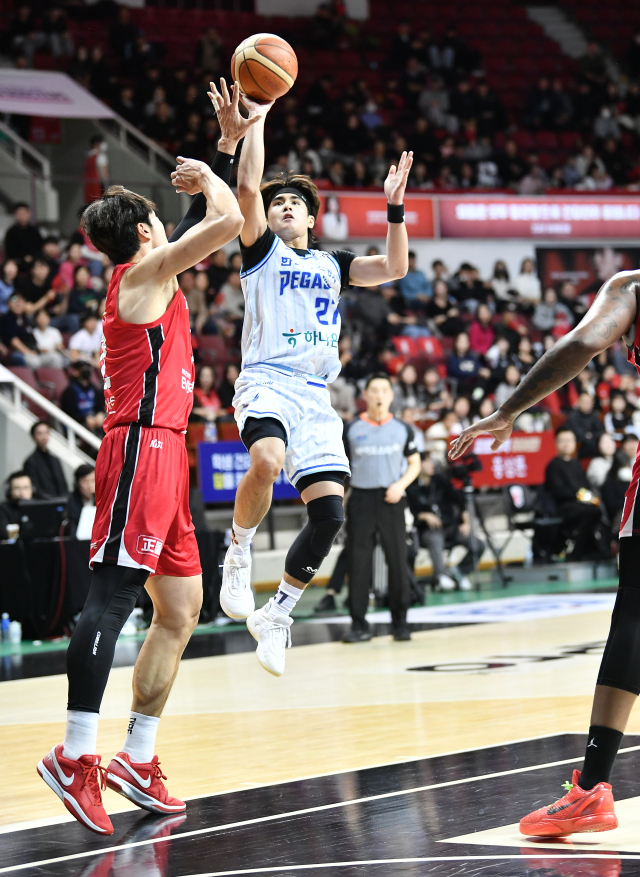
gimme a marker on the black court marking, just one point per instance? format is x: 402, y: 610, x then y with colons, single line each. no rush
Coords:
x: 392, y: 819
x: 231, y: 640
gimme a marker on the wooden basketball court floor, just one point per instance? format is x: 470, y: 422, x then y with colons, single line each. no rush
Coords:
x: 381, y: 758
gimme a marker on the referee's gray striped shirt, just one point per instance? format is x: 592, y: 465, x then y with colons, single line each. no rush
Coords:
x: 376, y: 451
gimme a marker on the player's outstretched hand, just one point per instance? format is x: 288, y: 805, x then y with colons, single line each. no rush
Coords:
x: 396, y: 181
x: 256, y: 110
x: 496, y: 425
x: 233, y: 125
x: 187, y: 177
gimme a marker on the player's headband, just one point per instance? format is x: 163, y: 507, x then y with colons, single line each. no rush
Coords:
x: 290, y: 190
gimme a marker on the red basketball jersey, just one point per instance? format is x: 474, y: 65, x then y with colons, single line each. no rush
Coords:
x: 147, y: 368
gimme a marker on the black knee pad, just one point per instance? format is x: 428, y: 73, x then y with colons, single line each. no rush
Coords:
x: 111, y: 599
x: 326, y: 517
x: 620, y: 667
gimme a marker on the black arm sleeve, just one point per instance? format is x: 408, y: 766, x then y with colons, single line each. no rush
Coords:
x: 197, y: 211
x: 253, y: 255
x: 344, y: 258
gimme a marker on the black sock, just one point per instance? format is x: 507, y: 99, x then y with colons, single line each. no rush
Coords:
x: 602, y: 748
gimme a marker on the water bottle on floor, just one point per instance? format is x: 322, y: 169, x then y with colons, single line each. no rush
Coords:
x: 4, y: 626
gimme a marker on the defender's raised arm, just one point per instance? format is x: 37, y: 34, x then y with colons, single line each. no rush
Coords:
x: 611, y: 317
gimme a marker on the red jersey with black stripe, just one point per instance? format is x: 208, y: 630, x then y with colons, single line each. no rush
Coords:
x: 630, y: 524
x: 147, y: 368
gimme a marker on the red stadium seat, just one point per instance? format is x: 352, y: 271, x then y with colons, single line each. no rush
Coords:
x: 53, y: 381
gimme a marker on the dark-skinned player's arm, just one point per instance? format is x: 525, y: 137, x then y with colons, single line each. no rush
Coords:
x: 233, y: 127
x: 250, y: 171
x: 610, y: 318
x: 222, y: 223
x: 373, y: 270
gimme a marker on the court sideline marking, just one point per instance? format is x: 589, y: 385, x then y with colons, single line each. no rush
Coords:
x: 305, y: 812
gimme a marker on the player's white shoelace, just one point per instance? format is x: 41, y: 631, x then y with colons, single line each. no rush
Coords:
x: 279, y: 634
x: 237, y: 582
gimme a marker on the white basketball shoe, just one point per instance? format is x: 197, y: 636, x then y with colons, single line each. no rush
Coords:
x: 236, y: 596
x: 273, y: 636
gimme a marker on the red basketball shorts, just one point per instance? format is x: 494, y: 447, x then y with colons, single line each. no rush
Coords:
x: 142, y: 497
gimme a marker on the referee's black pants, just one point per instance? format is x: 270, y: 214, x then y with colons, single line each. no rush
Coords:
x: 367, y: 512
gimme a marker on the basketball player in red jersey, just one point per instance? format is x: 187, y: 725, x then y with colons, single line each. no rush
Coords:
x: 588, y: 804
x: 143, y: 535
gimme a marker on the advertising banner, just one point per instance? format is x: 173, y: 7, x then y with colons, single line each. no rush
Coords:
x: 586, y: 267
x: 555, y: 217
x: 48, y: 93
x: 221, y: 465
x: 355, y: 215
x: 521, y: 460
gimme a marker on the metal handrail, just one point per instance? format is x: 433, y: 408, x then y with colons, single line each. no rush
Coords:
x: 74, y: 429
x: 21, y: 147
x: 125, y: 129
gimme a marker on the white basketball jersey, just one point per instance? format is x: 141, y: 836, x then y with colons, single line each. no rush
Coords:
x: 291, y: 315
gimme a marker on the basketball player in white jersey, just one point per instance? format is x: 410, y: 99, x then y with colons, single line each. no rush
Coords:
x: 289, y: 354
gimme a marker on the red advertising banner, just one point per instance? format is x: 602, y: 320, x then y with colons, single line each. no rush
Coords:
x: 365, y: 216
x: 563, y: 218
x: 521, y: 460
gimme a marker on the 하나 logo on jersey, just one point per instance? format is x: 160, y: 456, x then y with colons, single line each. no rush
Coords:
x: 313, y: 337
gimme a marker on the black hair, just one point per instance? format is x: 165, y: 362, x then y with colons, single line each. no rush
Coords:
x: 19, y: 473
x: 377, y: 376
x: 111, y: 222
x: 565, y: 429
x: 411, y: 254
x: 38, y: 423
x: 82, y: 472
x: 20, y: 204
x: 307, y: 188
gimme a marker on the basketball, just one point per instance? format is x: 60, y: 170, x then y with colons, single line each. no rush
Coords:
x: 265, y: 66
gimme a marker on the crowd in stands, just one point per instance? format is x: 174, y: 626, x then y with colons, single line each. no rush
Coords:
x: 580, y: 131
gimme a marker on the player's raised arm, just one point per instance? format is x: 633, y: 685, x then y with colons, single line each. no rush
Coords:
x: 609, y: 319
x: 250, y: 171
x: 373, y: 270
x: 221, y: 224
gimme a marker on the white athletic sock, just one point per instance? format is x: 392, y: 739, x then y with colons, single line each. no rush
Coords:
x: 285, y: 599
x: 243, y: 536
x: 140, y: 741
x: 81, y: 734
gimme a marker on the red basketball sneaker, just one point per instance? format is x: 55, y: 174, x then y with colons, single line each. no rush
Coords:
x: 577, y: 811
x: 78, y: 784
x: 142, y: 784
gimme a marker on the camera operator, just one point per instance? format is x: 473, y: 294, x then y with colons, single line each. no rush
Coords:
x: 443, y: 522
x: 377, y: 445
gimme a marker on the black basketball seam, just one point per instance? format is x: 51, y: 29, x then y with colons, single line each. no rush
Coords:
x: 258, y: 86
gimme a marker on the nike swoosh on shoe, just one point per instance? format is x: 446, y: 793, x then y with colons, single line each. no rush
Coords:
x: 553, y: 810
x: 64, y: 779
x: 144, y: 783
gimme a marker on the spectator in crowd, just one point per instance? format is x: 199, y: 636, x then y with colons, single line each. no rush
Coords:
x: 524, y: 358
x: 34, y: 287
x: 83, y: 296
x: 599, y: 466
x: 405, y: 392
x: 335, y: 224
x: 82, y: 496
x: 23, y: 241
x: 629, y: 449
x: 585, y: 425
x: 506, y: 388
x: 96, y: 169
x: 81, y: 400
x: 527, y: 285
x: 49, y: 340
x: 377, y: 445
x: 438, y: 435
x: 414, y: 287
x: 44, y: 468
x: 226, y: 390
x: 8, y: 274
x: 618, y: 419
x: 464, y: 365
x: 566, y: 482
x: 18, y: 488
x: 442, y: 521
x: 550, y: 314
x: 17, y: 335
x: 442, y: 311
x: 481, y: 335
x: 206, y: 402
x: 209, y: 51
x: 613, y: 491
x: 501, y: 282
x: 231, y: 302
x: 433, y: 395
x: 86, y: 342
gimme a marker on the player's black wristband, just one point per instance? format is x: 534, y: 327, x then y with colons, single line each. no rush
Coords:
x: 395, y: 212
x: 222, y: 164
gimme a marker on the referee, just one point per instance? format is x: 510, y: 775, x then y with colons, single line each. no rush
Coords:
x: 377, y: 445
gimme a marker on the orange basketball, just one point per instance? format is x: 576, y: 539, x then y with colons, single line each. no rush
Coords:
x: 265, y: 66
